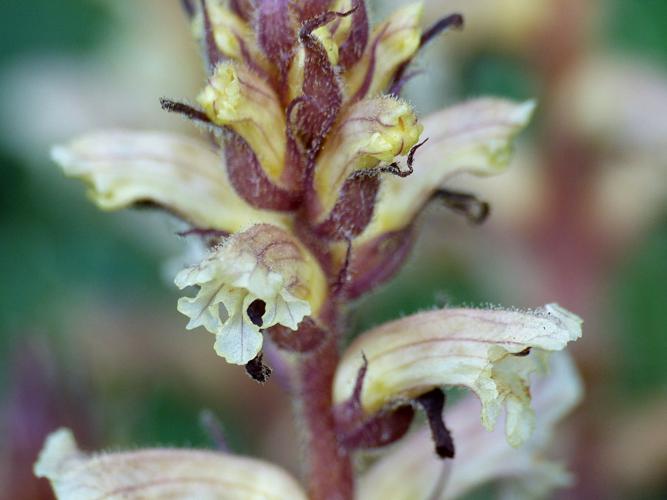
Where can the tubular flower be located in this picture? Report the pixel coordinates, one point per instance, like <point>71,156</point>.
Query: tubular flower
<point>263,277</point>
<point>159,473</point>
<point>308,135</point>
<point>412,470</point>
<point>491,352</point>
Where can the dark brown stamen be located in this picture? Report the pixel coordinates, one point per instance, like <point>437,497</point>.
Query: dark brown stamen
<point>257,370</point>
<point>186,110</point>
<point>255,311</point>
<point>433,403</point>
<point>204,233</point>
<point>523,353</point>
<point>474,209</point>
<point>453,21</point>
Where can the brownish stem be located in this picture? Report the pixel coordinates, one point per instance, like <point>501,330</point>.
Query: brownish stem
<point>329,470</point>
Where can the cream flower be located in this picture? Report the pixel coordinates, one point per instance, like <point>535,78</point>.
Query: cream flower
<point>159,474</point>
<point>412,471</point>
<point>474,137</point>
<point>182,174</point>
<point>369,132</point>
<point>262,277</point>
<point>491,352</point>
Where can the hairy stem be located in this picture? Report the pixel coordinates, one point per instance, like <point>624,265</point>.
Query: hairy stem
<point>329,468</point>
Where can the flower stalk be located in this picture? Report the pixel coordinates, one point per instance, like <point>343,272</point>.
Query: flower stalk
<point>328,463</point>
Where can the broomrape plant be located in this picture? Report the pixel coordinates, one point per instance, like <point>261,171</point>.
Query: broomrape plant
<point>307,190</point>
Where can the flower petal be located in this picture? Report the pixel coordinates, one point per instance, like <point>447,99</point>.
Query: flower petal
<point>474,137</point>
<point>411,470</point>
<point>263,265</point>
<point>184,175</point>
<point>159,473</point>
<point>484,350</point>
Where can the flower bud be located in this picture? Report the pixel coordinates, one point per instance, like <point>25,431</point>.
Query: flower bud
<point>371,132</point>
<point>239,99</point>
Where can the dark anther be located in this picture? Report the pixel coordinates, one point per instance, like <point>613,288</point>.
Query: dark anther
<point>204,233</point>
<point>255,311</point>
<point>211,425</point>
<point>394,169</point>
<point>475,210</point>
<point>453,21</point>
<point>257,370</point>
<point>433,403</point>
<point>188,7</point>
<point>342,277</point>
<point>523,353</point>
<point>185,110</point>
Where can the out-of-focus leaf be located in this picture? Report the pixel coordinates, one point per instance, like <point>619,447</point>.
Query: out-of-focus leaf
<point>641,316</point>
<point>638,26</point>
<point>40,25</point>
<point>490,74</point>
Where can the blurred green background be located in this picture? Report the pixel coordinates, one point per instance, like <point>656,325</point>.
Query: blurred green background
<point>88,314</point>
